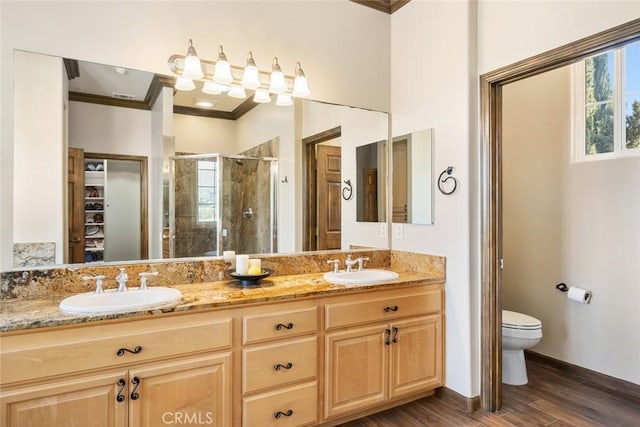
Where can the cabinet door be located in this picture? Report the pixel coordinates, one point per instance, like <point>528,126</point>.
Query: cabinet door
<point>415,355</point>
<point>355,372</point>
<point>191,391</point>
<point>89,400</point>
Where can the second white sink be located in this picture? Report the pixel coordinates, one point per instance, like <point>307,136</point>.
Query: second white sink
<point>358,278</point>
<point>118,302</point>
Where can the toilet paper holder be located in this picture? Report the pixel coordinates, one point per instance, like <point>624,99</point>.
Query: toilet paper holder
<point>562,287</point>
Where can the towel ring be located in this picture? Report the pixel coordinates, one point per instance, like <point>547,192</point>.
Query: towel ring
<point>347,191</point>
<point>448,171</point>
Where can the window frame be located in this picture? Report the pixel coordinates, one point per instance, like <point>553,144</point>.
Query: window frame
<point>578,136</point>
<point>214,204</point>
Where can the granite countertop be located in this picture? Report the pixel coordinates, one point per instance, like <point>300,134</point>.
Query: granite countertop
<point>23,314</point>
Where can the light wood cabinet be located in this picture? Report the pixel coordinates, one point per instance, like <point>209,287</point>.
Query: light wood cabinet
<point>135,373</point>
<point>297,363</point>
<point>280,365</point>
<point>88,400</point>
<point>398,353</point>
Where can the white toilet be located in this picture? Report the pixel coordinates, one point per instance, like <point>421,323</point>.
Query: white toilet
<point>519,332</point>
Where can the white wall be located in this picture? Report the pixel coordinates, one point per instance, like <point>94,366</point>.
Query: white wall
<point>294,31</point>
<point>358,127</point>
<point>433,77</point>
<point>114,130</point>
<point>569,222</point>
<point>509,31</point>
<point>40,153</point>
<point>201,135</point>
<point>438,50</point>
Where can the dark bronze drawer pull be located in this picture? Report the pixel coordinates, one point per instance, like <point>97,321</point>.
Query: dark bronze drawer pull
<point>136,350</point>
<point>121,383</point>
<point>279,326</point>
<point>387,332</point>
<point>279,366</point>
<point>390,308</point>
<point>394,339</point>
<point>286,414</point>
<point>134,394</point>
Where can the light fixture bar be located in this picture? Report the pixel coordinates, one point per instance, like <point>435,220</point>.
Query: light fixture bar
<point>220,72</point>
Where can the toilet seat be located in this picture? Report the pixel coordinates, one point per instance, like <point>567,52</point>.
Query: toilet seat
<point>515,320</point>
<point>518,325</point>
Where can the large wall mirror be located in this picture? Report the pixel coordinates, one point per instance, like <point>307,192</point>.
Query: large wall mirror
<point>413,178</point>
<point>220,173</point>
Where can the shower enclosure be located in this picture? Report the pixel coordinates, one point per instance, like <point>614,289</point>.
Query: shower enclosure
<point>220,202</point>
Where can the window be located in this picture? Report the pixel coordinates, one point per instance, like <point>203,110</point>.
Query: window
<point>206,191</point>
<point>607,104</point>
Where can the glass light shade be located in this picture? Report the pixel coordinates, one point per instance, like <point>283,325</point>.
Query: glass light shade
<point>192,67</point>
<point>300,87</point>
<point>250,79</point>
<point>183,83</point>
<point>222,72</point>
<point>237,92</point>
<point>284,100</point>
<point>212,88</point>
<point>261,96</point>
<point>277,83</point>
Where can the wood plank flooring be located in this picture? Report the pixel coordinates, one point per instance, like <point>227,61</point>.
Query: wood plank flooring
<point>555,397</point>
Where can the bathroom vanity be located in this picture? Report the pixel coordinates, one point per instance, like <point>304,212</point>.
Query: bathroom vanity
<point>297,352</point>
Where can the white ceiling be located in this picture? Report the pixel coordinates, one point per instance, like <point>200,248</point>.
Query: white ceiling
<point>105,80</point>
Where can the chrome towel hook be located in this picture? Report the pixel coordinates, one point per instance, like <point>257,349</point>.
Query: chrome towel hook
<point>448,171</point>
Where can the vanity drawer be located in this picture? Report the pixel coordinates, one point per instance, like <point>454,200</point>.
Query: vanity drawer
<point>385,305</point>
<point>294,406</point>
<point>280,324</point>
<point>278,364</point>
<point>50,353</point>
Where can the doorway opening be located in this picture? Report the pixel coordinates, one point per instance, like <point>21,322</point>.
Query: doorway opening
<point>491,187</point>
<point>321,195</point>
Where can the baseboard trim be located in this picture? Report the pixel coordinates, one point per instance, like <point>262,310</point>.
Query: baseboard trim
<point>470,404</point>
<point>614,386</point>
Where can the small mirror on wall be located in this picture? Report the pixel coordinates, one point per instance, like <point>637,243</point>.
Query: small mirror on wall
<point>413,178</point>
<point>371,161</point>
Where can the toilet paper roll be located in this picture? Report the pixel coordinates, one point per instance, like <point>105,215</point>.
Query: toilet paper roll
<point>579,295</point>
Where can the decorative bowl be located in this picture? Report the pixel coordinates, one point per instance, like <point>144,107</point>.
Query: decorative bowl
<point>248,281</point>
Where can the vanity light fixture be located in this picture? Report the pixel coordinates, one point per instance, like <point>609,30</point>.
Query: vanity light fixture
<point>219,77</point>
<point>284,100</point>
<point>222,73</point>
<point>192,66</point>
<point>277,83</point>
<point>300,84</point>
<point>237,92</point>
<point>261,96</point>
<point>183,83</point>
<point>251,77</point>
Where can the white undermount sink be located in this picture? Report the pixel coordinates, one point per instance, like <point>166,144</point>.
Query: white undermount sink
<point>118,302</point>
<point>360,278</point>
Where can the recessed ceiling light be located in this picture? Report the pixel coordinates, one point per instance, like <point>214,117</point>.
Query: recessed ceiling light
<point>203,103</point>
<point>120,70</point>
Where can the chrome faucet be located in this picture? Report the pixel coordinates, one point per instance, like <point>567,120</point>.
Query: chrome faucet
<point>98,280</point>
<point>143,279</point>
<point>349,263</point>
<point>122,280</point>
<point>336,264</point>
<point>361,261</point>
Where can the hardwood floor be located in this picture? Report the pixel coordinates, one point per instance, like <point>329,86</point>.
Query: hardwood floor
<point>556,396</point>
